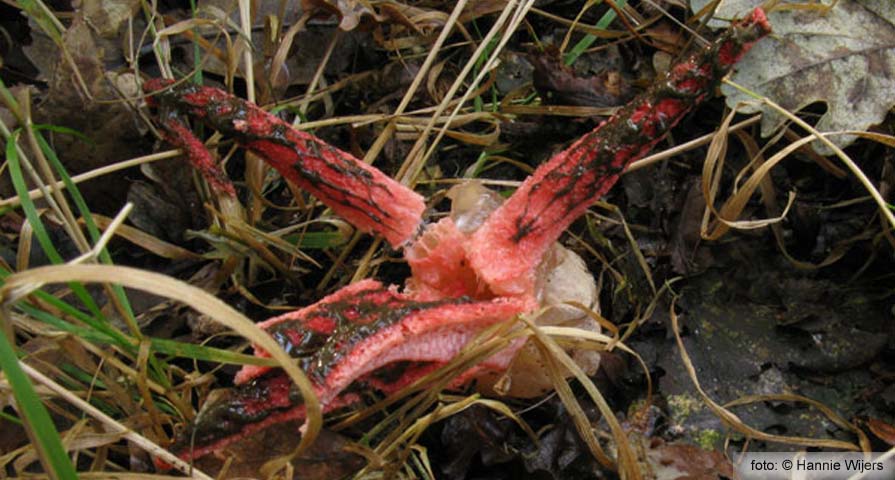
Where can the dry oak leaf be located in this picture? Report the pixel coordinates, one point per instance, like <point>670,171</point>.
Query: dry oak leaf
<point>844,57</point>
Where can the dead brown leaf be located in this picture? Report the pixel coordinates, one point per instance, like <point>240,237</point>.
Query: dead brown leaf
<point>350,12</point>
<point>327,458</point>
<point>666,37</point>
<point>679,461</point>
<point>559,84</point>
<point>884,431</point>
<point>479,8</point>
<point>90,44</point>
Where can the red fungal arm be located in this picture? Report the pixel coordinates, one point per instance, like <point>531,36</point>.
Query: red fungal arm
<point>354,339</point>
<point>367,325</point>
<point>506,249</point>
<point>361,194</point>
<point>243,411</point>
<point>176,133</point>
<point>297,328</point>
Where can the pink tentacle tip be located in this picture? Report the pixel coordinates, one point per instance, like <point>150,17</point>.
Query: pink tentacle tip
<point>154,84</point>
<point>759,18</point>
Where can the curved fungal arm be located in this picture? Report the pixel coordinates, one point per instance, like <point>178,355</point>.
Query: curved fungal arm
<point>364,336</point>
<point>507,248</point>
<point>361,194</point>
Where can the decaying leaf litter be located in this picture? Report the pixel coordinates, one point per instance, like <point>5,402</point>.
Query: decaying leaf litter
<point>829,254</point>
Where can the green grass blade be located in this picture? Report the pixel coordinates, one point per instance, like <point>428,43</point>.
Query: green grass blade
<point>40,231</point>
<point>211,354</point>
<point>42,18</point>
<point>111,335</point>
<point>589,39</point>
<point>479,165</point>
<point>163,346</point>
<point>18,181</point>
<point>81,205</point>
<point>197,49</point>
<point>90,334</point>
<point>65,131</point>
<point>46,438</point>
<point>316,240</point>
<point>11,418</point>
